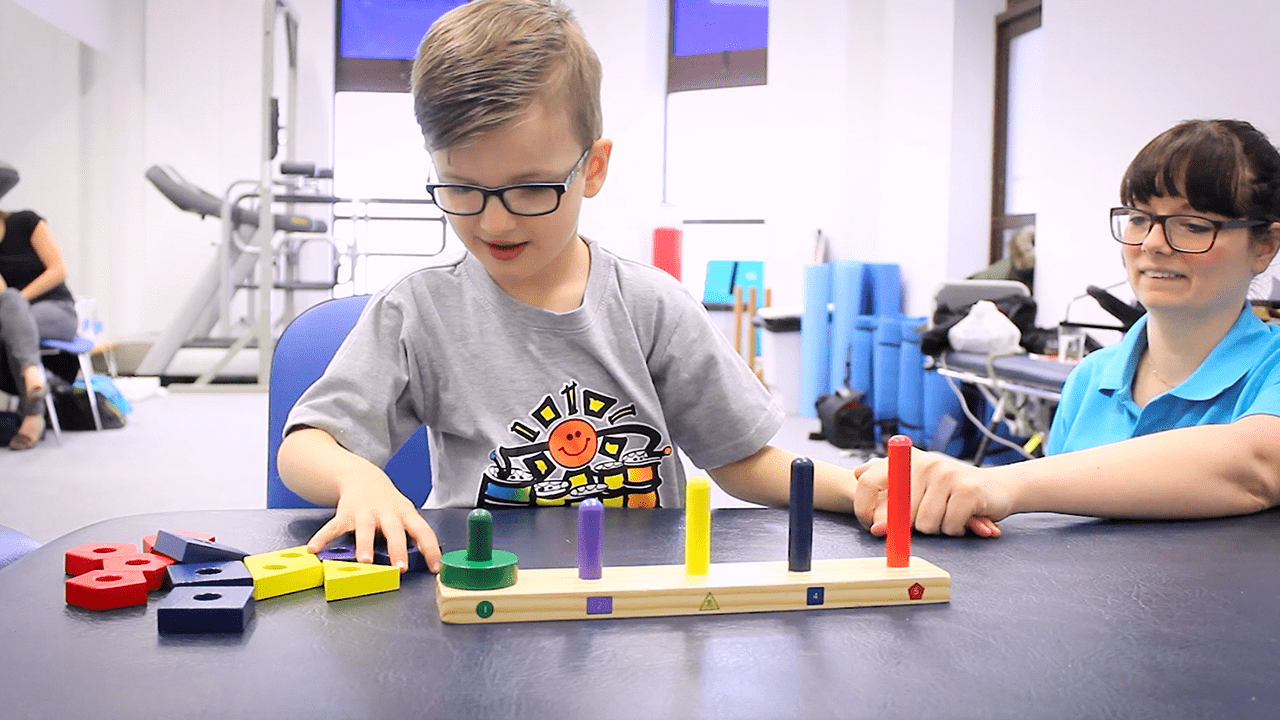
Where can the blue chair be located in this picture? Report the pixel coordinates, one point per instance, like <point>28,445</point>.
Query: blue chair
<point>14,545</point>
<point>80,348</point>
<point>301,356</point>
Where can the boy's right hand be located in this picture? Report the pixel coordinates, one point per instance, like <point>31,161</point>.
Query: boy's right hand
<point>371,503</point>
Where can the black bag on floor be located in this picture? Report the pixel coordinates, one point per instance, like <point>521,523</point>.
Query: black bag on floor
<point>847,422</point>
<point>74,413</point>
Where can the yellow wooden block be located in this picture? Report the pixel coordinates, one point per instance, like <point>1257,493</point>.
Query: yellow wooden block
<point>661,590</point>
<point>351,579</point>
<point>283,572</point>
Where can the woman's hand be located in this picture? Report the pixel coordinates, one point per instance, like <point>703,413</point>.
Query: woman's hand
<point>947,496</point>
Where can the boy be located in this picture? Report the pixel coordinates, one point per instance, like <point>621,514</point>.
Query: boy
<point>547,370</point>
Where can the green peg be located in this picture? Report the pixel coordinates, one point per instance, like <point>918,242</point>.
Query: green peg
<point>479,567</point>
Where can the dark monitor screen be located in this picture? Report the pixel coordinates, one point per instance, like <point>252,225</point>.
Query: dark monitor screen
<point>702,27</point>
<point>387,29</point>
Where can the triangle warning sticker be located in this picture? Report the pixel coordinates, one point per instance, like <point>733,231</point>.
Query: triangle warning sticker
<point>709,603</point>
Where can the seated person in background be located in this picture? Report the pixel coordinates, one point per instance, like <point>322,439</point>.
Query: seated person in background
<point>1182,418</point>
<point>1019,263</point>
<point>547,369</point>
<point>34,303</point>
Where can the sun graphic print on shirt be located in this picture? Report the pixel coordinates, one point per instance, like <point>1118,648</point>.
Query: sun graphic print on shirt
<point>581,445</point>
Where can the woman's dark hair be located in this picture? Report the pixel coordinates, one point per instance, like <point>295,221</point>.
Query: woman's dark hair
<point>1227,167</point>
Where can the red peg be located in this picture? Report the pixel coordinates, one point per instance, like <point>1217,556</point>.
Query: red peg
<point>898,540</point>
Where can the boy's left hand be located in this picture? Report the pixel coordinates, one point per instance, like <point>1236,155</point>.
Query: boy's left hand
<point>947,496</point>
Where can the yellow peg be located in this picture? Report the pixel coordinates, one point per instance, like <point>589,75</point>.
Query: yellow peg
<point>697,526</point>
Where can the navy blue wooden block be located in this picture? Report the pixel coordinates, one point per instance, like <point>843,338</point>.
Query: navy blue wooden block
<point>213,574</point>
<point>206,610</point>
<point>194,550</point>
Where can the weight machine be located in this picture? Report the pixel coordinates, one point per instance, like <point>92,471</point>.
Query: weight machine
<point>261,240</point>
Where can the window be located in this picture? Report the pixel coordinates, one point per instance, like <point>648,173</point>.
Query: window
<point>717,44</point>
<point>1018,114</point>
<point>378,40</point>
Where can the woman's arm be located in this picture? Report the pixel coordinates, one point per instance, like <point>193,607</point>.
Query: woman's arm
<point>55,267</point>
<point>1194,472</point>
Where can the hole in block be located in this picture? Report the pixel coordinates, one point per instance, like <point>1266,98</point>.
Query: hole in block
<point>108,578</point>
<point>209,571</point>
<point>291,554</point>
<point>206,597</point>
<point>275,567</point>
<point>104,550</point>
<point>137,562</point>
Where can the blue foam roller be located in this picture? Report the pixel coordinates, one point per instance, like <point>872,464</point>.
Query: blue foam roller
<point>815,339</point>
<point>864,344</point>
<point>884,369</point>
<point>886,288</point>
<point>846,300</point>
<point>943,417</point>
<point>911,382</point>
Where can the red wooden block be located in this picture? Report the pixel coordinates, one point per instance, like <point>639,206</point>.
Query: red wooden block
<point>107,589</point>
<point>85,558</point>
<point>149,541</point>
<point>152,566</point>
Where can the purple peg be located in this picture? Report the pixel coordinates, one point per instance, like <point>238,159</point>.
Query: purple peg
<point>590,539</point>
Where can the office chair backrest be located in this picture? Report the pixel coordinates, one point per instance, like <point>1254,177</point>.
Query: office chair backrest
<point>301,356</point>
<point>13,545</point>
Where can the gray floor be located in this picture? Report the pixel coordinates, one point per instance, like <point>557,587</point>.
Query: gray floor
<point>187,451</point>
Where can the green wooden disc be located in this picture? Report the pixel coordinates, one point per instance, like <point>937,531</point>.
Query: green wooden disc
<point>457,571</point>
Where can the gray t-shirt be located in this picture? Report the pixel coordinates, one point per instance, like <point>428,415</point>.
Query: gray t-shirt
<point>530,407</point>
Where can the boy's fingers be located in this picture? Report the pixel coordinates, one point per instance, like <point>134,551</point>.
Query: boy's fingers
<point>425,538</point>
<point>325,535</point>
<point>366,528</point>
<point>397,550</point>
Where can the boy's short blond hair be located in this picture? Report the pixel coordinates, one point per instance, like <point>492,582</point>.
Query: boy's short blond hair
<point>485,63</point>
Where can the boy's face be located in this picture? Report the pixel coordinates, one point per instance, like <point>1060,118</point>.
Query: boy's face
<point>535,259</point>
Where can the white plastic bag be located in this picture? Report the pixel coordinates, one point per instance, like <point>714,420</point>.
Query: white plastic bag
<point>985,330</point>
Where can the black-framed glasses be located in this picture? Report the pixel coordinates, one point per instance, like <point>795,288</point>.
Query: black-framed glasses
<point>525,199</point>
<point>1185,233</point>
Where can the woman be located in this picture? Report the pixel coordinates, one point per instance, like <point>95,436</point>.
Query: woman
<point>34,303</point>
<point>1181,419</point>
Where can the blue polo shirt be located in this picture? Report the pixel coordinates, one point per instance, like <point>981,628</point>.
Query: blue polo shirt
<point>1240,377</point>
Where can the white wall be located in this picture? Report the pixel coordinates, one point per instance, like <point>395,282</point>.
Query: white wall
<point>40,123</point>
<point>180,85</point>
<point>1111,89</point>
<point>88,21</point>
<point>874,127</point>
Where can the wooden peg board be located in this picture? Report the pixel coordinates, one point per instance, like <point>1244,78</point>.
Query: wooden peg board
<point>664,590</point>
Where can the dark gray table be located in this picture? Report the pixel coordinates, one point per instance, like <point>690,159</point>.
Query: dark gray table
<point>1061,618</point>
